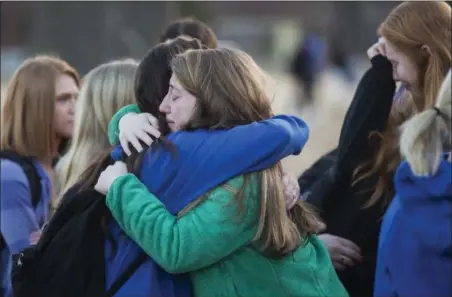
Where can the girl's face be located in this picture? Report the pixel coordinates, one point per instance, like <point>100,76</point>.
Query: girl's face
<point>178,105</point>
<point>66,91</point>
<point>403,69</point>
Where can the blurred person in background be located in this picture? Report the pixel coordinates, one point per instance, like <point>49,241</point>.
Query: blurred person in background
<point>339,58</point>
<point>106,89</point>
<point>415,246</point>
<point>190,27</point>
<point>216,100</point>
<point>309,62</point>
<point>355,191</point>
<point>37,118</point>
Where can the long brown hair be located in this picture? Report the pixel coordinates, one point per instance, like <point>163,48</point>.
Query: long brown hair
<point>27,112</point>
<point>151,84</point>
<point>229,89</point>
<point>409,27</point>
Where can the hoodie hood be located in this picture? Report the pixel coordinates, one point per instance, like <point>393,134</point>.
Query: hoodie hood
<point>412,188</point>
<point>426,205</point>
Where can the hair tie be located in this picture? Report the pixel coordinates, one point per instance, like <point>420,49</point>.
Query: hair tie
<point>441,114</point>
<point>438,111</point>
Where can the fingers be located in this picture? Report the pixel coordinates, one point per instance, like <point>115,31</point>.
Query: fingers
<point>352,255</point>
<point>136,144</point>
<point>380,46</point>
<point>125,145</point>
<point>143,136</point>
<point>152,120</point>
<point>152,131</point>
<point>345,260</point>
<point>134,140</point>
<point>372,51</point>
<point>342,260</point>
<point>345,252</point>
<point>349,245</point>
<point>136,127</point>
<point>346,255</point>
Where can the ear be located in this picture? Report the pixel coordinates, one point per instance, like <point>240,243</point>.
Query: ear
<point>426,49</point>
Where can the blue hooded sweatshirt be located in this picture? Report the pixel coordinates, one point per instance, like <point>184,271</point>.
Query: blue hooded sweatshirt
<point>415,246</point>
<point>203,160</point>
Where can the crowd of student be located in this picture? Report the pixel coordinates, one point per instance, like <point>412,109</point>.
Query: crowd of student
<point>163,176</point>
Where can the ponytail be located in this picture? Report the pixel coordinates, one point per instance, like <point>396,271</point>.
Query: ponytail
<point>434,75</point>
<point>423,138</point>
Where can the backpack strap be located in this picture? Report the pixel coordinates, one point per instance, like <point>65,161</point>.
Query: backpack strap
<point>124,277</point>
<point>30,171</point>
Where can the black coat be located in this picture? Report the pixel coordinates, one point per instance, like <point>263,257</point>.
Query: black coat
<point>340,204</point>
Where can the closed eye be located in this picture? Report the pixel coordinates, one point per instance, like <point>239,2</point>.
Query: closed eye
<point>64,97</point>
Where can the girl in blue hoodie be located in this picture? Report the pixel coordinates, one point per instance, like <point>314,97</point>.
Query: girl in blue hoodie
<point>415,247</point>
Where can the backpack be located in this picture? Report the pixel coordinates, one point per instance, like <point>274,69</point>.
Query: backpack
<point>34,180</point>
<point>69,258</point>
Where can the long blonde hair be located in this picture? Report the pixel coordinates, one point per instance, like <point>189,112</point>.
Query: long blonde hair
<point>28,107</point>
<point>410,26</point>
<point>105,90</point>
<point>425,135</point>
<point>229,89</point>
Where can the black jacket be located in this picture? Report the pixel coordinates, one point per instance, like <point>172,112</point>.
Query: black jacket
<point>340,205</point>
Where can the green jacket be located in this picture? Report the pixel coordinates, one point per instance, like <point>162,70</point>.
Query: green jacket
<point>212,243</point>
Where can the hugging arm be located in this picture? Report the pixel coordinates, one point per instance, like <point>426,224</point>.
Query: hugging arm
<point>257,145</point>
<point>201,237</point>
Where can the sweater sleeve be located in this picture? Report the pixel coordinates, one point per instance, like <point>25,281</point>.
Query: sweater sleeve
<point>278,137</point>
<point>369,111</point>
<point>113,126</point>
<point>18,219</point>
<point>203,236</point>
<point>255,146</point>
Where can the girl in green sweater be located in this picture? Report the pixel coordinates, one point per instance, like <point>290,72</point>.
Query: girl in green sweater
<point>238,240</point>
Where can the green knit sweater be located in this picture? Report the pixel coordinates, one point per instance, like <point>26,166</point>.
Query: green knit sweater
<point>212,243</point>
